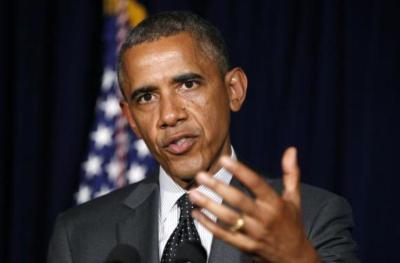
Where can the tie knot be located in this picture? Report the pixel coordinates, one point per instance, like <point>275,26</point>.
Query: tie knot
<point>184,204</point>
<point>184,231</point>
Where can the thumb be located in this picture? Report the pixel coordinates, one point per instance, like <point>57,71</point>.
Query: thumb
<point>291,176</point>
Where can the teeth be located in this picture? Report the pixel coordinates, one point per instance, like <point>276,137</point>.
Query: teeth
<point>180,141</point>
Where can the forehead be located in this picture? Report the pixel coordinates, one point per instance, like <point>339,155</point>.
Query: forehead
<point>165,58</point>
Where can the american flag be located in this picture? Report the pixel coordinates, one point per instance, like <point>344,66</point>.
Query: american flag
<point>115,156</point>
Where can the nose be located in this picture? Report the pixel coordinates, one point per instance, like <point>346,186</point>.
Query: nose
<point>172,112</point>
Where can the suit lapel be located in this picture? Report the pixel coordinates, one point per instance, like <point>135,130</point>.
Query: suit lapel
<point>222,252</point>
<point>139,228</point>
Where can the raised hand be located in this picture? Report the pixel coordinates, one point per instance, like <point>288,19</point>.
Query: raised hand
<point>267,226</point>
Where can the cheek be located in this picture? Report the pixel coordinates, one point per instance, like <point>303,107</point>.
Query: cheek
<point>146,127</point>
<point>201,108</point>
<point>211,112</point>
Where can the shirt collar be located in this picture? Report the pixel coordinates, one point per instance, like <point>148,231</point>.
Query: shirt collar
<point>170,191</point>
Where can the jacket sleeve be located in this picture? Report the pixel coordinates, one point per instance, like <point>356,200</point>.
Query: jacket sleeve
<point>331,231</point>
<point>59,248</point>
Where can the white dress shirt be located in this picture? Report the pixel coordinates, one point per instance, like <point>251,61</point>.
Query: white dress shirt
<point>168,215</point>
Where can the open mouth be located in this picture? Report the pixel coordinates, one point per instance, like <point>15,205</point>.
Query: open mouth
<point>180,144</point>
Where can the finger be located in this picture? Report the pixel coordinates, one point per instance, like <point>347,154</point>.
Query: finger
<point>223,213</point>
<point>250,179</point>
<point>236,239</point>
<point>229,194</point>
<point>227,215</point>
<point>291,176</point>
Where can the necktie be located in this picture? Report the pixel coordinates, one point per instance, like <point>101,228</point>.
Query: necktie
<point>184,231</point>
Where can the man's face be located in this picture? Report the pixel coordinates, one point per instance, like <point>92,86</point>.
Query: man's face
<point>179,104</point>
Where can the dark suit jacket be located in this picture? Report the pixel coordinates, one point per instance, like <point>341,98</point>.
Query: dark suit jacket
<point>87,233</point>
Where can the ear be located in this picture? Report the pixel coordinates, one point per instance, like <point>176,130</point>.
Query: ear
<point>236,83</point>
<point>128,115</point>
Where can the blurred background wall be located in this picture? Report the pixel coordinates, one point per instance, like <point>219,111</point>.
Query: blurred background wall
<point>324,75</point>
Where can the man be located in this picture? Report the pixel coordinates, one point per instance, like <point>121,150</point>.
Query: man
<point>179,91</point>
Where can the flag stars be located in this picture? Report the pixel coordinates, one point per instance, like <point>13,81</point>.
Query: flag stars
<point>141,148</point>
<point>102,136</point>
<point>83,194</point>
<point>110,107</point>
<point>136,173</point>
<point>114,169</point>
<point>108,80</point>
<point>93,165</point>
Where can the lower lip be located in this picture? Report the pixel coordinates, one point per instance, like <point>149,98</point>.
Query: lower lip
<point>182,147</point>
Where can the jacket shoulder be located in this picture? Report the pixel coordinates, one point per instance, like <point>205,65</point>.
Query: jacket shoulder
<point>101,211</point>
<point>96,207</point>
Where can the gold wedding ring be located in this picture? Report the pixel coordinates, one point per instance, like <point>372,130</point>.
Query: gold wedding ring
<point>238,225</point>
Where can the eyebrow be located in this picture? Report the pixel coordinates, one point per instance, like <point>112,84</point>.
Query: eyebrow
<point>186,77</point>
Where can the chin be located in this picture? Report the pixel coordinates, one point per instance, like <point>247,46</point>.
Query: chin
<point>184,178</point>
<point>187,167</point>
<point>184,174</point>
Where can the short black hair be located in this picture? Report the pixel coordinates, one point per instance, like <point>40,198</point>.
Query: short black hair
<point>171,23</point>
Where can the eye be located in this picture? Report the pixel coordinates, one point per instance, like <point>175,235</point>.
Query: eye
<point>188,84</point>
<point>145,98</point>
